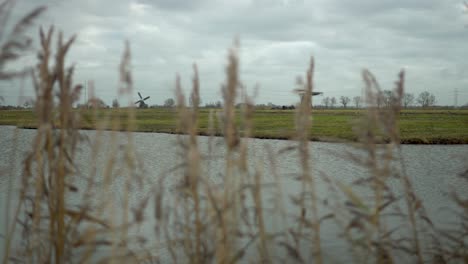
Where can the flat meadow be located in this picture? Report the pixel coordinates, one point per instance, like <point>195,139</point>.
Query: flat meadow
<point>417,126</point>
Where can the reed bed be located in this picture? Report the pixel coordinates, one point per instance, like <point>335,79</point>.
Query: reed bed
<point>245,216</point>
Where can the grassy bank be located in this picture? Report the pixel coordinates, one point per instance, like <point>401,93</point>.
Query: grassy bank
<point>416,126</point>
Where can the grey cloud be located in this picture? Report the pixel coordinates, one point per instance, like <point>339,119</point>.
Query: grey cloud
<point>427,38</point>
<point>372,7</point>
<point>176,5</point>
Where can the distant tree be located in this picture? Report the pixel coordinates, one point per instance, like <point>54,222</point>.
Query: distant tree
<point>216,104</point>
<point>344,100</point>
<point>426,99</point>
<point>260,106</point>
<point>357,101</point>
<point>209,105</point>
<point>408,99</point>
<point>29,103</point>
<point>387,98</point>
<point>326,101</point>
<point>333,102</point>
<point>169,102</point>
<point>96,103</point>
<point>115,103</point>
<point>380,99</point>
<point>192,99</point>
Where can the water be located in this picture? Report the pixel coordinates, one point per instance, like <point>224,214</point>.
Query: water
<point>433,169</point>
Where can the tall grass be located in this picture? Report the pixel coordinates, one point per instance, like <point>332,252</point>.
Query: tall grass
<point>246,218</point>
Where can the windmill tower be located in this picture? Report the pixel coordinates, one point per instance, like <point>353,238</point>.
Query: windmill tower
<point>141,103</point>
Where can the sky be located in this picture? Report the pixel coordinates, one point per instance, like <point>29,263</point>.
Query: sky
<point>426,38</point>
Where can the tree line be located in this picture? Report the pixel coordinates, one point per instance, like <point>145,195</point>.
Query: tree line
<point>384,98</point>
<point>424,99</point>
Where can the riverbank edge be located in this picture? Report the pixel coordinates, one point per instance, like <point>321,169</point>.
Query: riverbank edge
<point>405,141</point>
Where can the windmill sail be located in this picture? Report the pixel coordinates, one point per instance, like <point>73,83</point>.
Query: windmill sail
<point>141,103</point>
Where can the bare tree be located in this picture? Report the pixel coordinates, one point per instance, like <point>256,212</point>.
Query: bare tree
<point>408,99</point>
<point>380,99</point>
<point>192,100</point>
<point>326,102</point>
<point>96,103</point>
<point>115,103</point>
<point>333,102</point>
<point>344,100</point>
<point>169,102</point>
<point>357,101</point>
<point>426,99</point>
<point>387,98</point>
<point>29,103</point>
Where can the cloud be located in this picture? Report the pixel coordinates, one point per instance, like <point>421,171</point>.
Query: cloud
<point>427,38</point>
<point>177,5</point>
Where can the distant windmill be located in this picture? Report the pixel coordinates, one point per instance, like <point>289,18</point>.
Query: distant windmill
<point>141,103</point>
<point>302,92</point>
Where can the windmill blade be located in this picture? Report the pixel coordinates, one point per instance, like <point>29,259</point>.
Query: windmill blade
<point>302,91</point>
<point>139,101</point>
<point>146,98</point>
<point>140,95</point>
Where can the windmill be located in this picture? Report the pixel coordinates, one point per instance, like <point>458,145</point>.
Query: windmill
<point>302,92</point>
<point>141,103</point>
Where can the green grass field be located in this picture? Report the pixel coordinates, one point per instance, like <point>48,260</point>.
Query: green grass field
<point>416,126</point>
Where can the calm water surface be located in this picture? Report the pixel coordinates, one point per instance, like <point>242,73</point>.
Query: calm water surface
<point>433,168</point>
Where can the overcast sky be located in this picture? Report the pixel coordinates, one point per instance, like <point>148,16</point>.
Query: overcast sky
<point>428,38</point>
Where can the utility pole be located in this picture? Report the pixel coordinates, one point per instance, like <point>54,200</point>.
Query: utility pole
<point>455,97</point>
